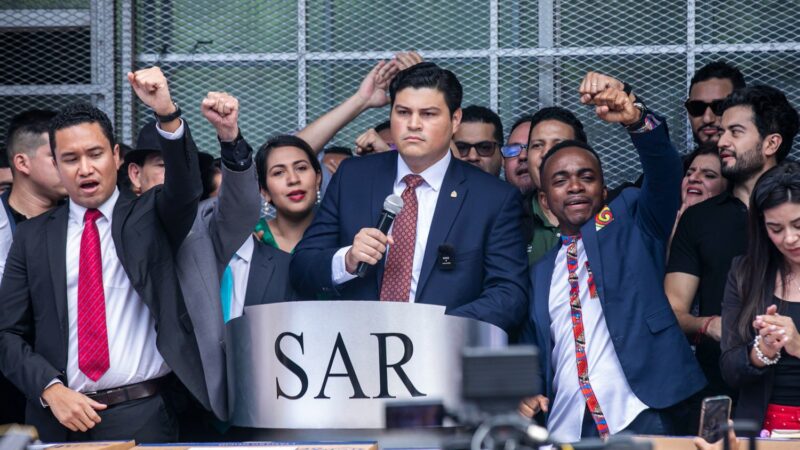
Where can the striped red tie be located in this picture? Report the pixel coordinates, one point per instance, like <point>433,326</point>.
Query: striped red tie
<point>93,358</point>
<point>396,285</point>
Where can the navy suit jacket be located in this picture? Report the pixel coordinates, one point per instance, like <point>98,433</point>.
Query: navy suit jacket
<point>476,213</point>
<point>627,257</point>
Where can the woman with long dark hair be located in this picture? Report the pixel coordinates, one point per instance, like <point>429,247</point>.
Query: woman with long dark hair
<point>760,343</point>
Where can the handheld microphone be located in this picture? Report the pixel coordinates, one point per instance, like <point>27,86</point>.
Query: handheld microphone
<point>391,208</point>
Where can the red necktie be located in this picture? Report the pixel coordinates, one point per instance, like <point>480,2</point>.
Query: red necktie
<point>396,285</point>
<point>578,333</point>
<point>93,358</point>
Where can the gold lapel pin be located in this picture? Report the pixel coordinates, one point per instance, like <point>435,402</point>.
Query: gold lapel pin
<point>454,194</point>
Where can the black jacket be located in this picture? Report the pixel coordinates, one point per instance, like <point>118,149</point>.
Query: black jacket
<point>147,231</point>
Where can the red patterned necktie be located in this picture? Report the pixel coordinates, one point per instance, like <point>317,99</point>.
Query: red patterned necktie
<point>396,286</point>
<point>93,358</point>
<point>578,333</point>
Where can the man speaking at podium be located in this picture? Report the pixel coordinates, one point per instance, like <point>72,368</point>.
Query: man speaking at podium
<point>456,242</point>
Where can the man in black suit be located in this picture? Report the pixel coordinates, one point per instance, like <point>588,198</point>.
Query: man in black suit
<point>92,322</point>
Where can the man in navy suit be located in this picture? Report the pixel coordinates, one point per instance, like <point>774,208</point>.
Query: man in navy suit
<point>613,357</point>
<point>457,242</point>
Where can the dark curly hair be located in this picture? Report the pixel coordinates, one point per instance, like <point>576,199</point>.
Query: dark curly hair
<point>772,113</point>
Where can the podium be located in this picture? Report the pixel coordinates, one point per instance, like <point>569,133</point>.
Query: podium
<point>337,364</point>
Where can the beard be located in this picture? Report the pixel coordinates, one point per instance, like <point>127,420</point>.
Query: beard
<point>746,165</point>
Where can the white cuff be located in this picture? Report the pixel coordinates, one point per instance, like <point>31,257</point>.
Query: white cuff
<point>339,273</point>
<point>174,136</point>
<point>41,400</point>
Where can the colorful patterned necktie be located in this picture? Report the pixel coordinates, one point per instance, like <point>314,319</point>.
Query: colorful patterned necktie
<point>93,359</point>
<point>396,286</point>
<point>578,333</point>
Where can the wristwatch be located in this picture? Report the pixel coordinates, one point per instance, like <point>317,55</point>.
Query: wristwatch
<point>638,104</point>
<point>169,117</point>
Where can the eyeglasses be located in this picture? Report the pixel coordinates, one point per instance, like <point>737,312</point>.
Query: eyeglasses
<point>484,148</point>
<point>697,108</point>
<point>512,150</point>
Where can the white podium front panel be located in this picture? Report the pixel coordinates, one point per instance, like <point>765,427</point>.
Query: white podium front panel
<point>336,364</point>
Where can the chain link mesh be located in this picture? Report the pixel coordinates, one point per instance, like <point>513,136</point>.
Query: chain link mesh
<point>289,62</point>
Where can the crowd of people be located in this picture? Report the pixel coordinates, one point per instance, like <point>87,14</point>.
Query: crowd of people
<point>120,266</point>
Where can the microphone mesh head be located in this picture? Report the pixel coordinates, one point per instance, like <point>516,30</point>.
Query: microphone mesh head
<point>393,204</point>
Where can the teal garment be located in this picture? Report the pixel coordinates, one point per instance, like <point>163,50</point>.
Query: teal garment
<point>545,234</point>
<point>267,238</point>
<point>226,293</point>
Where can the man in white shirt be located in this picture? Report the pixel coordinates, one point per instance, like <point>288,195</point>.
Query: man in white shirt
<point>92,321</point>
<point>457,241</point>
<point>613,357</point>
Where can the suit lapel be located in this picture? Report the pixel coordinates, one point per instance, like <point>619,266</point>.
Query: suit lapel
<point>591,243</point>
<point>541,304</point>
<point>447,208</point>
<point>541,308</point>
<point>56,236</point>
<point>261,270</point>
<point>382,186</point>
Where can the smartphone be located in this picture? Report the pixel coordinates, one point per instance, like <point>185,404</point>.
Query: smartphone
<point>714,415</point>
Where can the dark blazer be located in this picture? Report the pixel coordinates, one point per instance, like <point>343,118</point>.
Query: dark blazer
<point>478,215</point>
<point>268,281</point>
<point>627,257</point>
<point>754,383</point>
<point>147,232</point>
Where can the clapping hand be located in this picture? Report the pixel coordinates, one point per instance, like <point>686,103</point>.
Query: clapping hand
<point>777,332</point>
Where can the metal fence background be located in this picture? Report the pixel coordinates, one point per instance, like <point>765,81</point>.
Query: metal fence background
<point>290,61</point>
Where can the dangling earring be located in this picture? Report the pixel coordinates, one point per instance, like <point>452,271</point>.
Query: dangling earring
<point>267,210</point>
<point>319,197</point>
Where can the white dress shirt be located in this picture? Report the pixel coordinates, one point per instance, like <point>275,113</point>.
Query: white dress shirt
<point>427,196</point>
<point>617,401</point>
<point>240,268</point>
<point>130,326</point>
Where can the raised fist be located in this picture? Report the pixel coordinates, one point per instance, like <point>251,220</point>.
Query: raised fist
<point>594,83</point>
<point>370,141</point>
<point>150,85</point>
<point>222,111</point>
<point>615,106</point>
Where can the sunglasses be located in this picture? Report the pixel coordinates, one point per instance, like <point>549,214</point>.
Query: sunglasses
<point>512,150</point>
<point>697,108</point>
<point>484,148</point>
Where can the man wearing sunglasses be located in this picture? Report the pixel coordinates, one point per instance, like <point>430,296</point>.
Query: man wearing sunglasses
<point>479,138</point>
<point>707,90</point>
